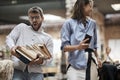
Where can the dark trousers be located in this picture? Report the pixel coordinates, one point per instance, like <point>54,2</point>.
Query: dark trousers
<point>108,72</point>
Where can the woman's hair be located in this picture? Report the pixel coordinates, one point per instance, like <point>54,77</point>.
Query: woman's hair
<point>36,9</point>
<point>78,10</point>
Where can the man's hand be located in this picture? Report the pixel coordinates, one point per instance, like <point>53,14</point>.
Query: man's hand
<point>38,60</point>
<point>13,52</point>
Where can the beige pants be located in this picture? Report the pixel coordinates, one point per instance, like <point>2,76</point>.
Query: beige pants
<point>94,72</point>
<point>73,74</point>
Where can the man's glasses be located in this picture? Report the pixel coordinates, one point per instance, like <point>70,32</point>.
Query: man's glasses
<point>34,17</point>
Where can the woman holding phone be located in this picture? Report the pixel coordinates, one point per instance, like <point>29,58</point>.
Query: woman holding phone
<point>79,36</point>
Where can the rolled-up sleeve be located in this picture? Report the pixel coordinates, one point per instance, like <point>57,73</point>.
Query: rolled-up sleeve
<point>65,35</point>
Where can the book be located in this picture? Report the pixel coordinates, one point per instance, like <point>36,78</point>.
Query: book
<point>31,52</point>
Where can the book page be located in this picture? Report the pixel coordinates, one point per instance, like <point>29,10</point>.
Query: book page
<point>30,53</point>
<point>33,51</point>
<point>38,51</point>
<point>45,50</point>
<point>24,55</point>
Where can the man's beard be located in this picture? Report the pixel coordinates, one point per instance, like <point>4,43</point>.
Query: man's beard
<point>36,27</point>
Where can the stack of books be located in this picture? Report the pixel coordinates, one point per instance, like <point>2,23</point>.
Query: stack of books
<point>29,53</point>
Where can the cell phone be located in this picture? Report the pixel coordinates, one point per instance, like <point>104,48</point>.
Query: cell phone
<point>88,36</point>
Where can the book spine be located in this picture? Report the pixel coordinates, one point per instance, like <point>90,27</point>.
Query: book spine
<point>23,59</point>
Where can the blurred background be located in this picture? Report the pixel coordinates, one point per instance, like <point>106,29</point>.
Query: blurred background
<point>106,13</point>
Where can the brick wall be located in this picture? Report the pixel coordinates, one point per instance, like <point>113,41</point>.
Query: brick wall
<point>112,32</point>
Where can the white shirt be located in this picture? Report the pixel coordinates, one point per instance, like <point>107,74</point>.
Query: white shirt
<point>23,35</point>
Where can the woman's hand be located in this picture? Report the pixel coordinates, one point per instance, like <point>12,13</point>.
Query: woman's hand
<point>99,63</point>
<point>83,44</point>
<point>80,46</point>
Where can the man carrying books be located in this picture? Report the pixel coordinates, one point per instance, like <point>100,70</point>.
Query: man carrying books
<point>20,40</point>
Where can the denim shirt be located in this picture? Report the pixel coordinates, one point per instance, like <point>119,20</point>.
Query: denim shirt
<point>72,33</point>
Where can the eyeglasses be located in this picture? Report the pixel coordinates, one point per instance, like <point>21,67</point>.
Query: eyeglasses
<point>34,17</point>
